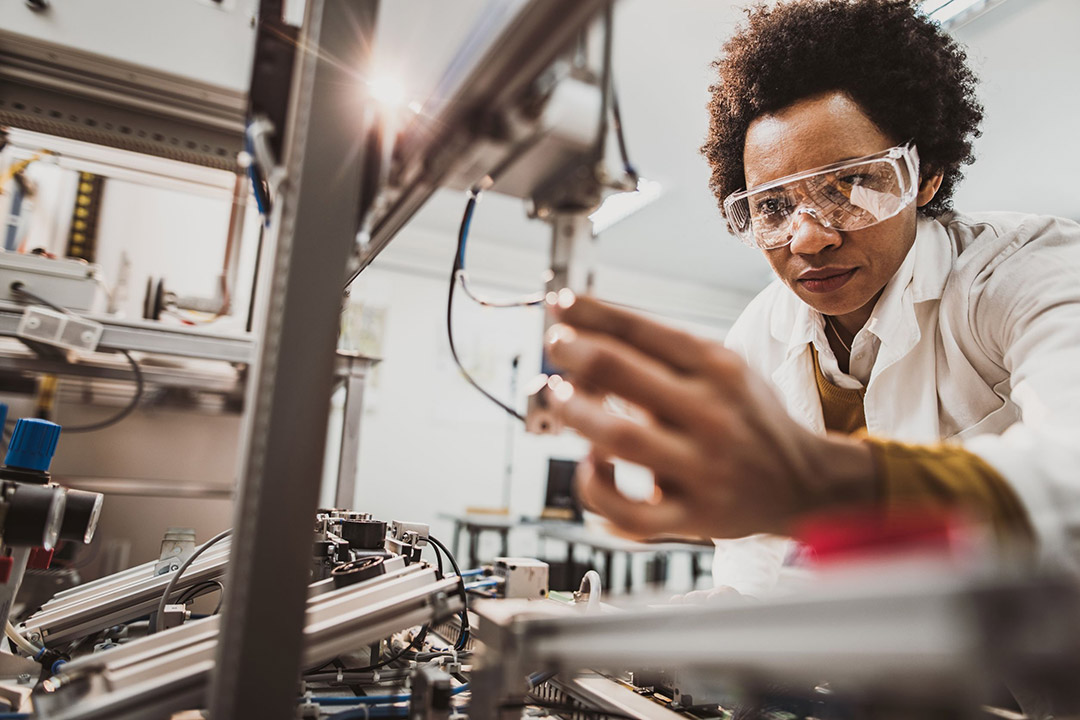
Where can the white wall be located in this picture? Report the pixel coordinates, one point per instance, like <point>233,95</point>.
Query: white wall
<point>430,443</point>
<point>1028,59</point>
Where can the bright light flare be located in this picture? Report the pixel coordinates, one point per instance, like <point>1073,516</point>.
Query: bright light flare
<point>622,205</point>
<point>387,90</point>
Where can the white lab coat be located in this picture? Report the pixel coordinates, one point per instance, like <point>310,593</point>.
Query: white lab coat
<point>976,339</point>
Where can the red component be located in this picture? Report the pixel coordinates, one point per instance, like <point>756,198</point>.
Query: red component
<point>6,564</point>
<point>853,536</point>
<point>39,559</point>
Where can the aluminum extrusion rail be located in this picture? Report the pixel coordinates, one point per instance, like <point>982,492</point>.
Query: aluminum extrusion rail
<point>96,606</point>
<point>932,638</point>
<point>168,672</point>
<point>152,338</point>
<point>62,91</point>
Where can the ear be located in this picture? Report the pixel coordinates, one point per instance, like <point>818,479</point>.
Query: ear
<point>928,189</point>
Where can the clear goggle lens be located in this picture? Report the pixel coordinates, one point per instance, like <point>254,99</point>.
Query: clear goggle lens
<point>846,196</point>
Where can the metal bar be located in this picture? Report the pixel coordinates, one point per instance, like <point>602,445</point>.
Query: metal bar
<point>139,487</point>
<point>234,239</point>
<point>314,224</point>
<point>226,383</point>
<point>102,607</point>
<point>152,338</point>
<point>71,93</point>
<point>597,691</point>
<point>355,370</point>
<point>165,673</point>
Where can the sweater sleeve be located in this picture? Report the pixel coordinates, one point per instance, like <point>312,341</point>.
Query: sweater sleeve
<point>949,477</point>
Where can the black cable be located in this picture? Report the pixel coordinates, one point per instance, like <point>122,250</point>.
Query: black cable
<point>616,117</point>
<point>140,386</point>
<point>19,288</point>
<point>190,594</point>
<point>208,586</point>
<point>176,576</point>
<point>459,263</point>
<point>463,638</point>
<point>416,641</point>
<point>125,411</point>
<point>438,559</point>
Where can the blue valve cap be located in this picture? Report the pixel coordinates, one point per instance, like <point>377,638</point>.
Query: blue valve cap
<point>33,444</point>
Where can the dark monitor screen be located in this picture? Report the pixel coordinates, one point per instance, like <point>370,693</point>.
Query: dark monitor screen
<point>561,499</point>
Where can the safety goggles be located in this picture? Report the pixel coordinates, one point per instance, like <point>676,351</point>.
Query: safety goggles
<point>848,195</point>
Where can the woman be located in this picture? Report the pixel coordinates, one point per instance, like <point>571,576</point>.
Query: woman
<point>906,356</point>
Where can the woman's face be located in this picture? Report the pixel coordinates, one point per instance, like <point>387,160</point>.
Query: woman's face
<point>838,273</point>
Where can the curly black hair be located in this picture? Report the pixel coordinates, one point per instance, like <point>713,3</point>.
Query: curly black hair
<point>907,75</point>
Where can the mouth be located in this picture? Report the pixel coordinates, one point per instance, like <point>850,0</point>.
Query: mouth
<point>826,280</point>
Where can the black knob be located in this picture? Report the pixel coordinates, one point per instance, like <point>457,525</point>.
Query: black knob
<point>81,516</point>
<point>364,534</point>
<point>34,515</point>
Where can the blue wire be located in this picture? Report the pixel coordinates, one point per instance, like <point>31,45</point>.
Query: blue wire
<point>472,573</point>
<point>463,234</point>
<point>482,584</point>
<point>256,186</point>
<point>14,716</point>
<point>360,699</point>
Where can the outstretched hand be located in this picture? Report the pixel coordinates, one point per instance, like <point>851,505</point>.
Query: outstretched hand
<point>727,459</point>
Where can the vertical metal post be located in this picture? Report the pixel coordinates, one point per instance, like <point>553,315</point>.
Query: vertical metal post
<point>259,648</point>
<point>355,371</point>
<point>231,264</point>
<point>572,250</point>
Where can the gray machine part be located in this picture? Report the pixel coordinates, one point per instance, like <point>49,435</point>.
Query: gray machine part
<point>930,640</point>
<point>118,598</point>
<point>445,145</point>
<point>170,671</point>
<point>76,93</point>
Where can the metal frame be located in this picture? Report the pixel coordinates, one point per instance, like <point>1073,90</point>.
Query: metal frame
<point>313,235</point>
<point>115,599</point>
<point>429,147</point>
<point>168,672</point>
<point>71,93</point>
<point>152,338</point>
<point>353,369</point>
<point>313,230</point>
<point>922,635</point>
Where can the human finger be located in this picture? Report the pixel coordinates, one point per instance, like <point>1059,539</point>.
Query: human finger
<point>681,350</point>
<point>597,490</point>
<point>607,365</point>
<point>661,449</point>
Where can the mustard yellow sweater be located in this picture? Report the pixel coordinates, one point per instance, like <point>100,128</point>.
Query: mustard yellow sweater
<point>942,476</point>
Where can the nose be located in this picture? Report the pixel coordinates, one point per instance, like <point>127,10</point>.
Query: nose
<point>811,234</point>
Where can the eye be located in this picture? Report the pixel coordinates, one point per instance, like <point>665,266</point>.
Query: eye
<point>769,206</point>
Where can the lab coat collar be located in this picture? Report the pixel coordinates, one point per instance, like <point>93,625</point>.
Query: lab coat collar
<point>921,277</point>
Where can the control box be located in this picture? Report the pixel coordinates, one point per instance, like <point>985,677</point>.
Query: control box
<point>71,284</point>
<point>522,577</point>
